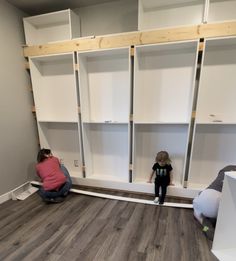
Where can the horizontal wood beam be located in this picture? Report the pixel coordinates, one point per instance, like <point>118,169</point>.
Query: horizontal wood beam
<point>135,38</point>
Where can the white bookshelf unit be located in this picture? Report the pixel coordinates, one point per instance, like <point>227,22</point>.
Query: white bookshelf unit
<point>104,80</point>
<point>106,151</point>
<point>131,95</point>
<point>215,125</point>
<point>51,27</point>
<point>221,10</point>
<point>151,138</point>
<point>54,87</point>
<point>166,13</point>
<point>224,246</point>
<point>64,140</point>
<point>164,77</point>
<point>55,95</point>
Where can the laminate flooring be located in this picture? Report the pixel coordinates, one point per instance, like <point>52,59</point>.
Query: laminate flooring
<point>88,228</point>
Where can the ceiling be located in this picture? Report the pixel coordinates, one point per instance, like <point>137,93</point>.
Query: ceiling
<point>34,7</point>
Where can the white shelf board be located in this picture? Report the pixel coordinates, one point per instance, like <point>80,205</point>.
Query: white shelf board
<point>231,174</point>
<point>128,199</point>
<point>55,121</point>
<point>197,186</point>
<point>161,122</point>
<point>107,177</point>
<point>225,254</point>
<point>215,123</point>
<point>144,182</point>
<point>104,122</point>
<point>76,174</point>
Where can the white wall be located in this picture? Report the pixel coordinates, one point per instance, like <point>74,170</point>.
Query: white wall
<point>18,135</point>
<point>109,18</point>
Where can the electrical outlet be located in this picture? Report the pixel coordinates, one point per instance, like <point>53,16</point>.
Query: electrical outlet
<point>76,163</point>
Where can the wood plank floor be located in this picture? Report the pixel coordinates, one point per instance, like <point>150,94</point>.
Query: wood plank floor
<point>88,228</point>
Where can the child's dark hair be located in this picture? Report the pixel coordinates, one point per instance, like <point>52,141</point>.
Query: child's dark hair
<point>163,156</point>
<point>42,154</point>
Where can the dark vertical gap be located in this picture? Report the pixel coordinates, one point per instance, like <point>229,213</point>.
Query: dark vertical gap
<point>33,103</point>
<point>79,116</point>
<point>131,113</point>
<point>196,82</point>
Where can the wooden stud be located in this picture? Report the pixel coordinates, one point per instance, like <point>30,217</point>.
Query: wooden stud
<point>76,66</point>
<point>27,66</point>
<point>201,46</point>
<point>132,51</point>
<point>130,166</point>
<point>136,38</point>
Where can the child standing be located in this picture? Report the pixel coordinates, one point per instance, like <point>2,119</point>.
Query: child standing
<point>162,168</point>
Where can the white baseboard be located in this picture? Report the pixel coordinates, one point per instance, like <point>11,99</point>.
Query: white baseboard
<point>8,195</point>
<point>135,200</point>
<point>21,192</point>
<point>5,197</point>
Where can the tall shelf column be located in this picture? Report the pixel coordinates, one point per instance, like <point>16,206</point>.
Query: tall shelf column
<point>56,104</point>
<point>163,97</point>
<point>105,110</point>
<point>215,126</point>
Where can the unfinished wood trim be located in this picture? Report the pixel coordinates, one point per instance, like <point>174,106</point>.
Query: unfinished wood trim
<point>76,66</point>
<point>132,51</point>
<point>27,66</point>
<point>130,166</point>
<point>136,38</point>
<point>201,46</point>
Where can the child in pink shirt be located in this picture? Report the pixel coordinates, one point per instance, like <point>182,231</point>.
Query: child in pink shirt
<point>55,178</point>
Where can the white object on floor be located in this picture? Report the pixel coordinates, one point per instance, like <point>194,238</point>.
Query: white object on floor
<point>135,200</point>
<point>207,203</point>
<point>23,192</point>
<point>224,243</point>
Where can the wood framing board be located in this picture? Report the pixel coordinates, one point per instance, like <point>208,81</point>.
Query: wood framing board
<point>128,199</point>
<point>135,38</point>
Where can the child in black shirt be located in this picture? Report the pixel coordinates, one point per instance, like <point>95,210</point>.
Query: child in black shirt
<point>163,179</point>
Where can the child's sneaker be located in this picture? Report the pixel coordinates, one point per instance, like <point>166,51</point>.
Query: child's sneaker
<point>156,200</point>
